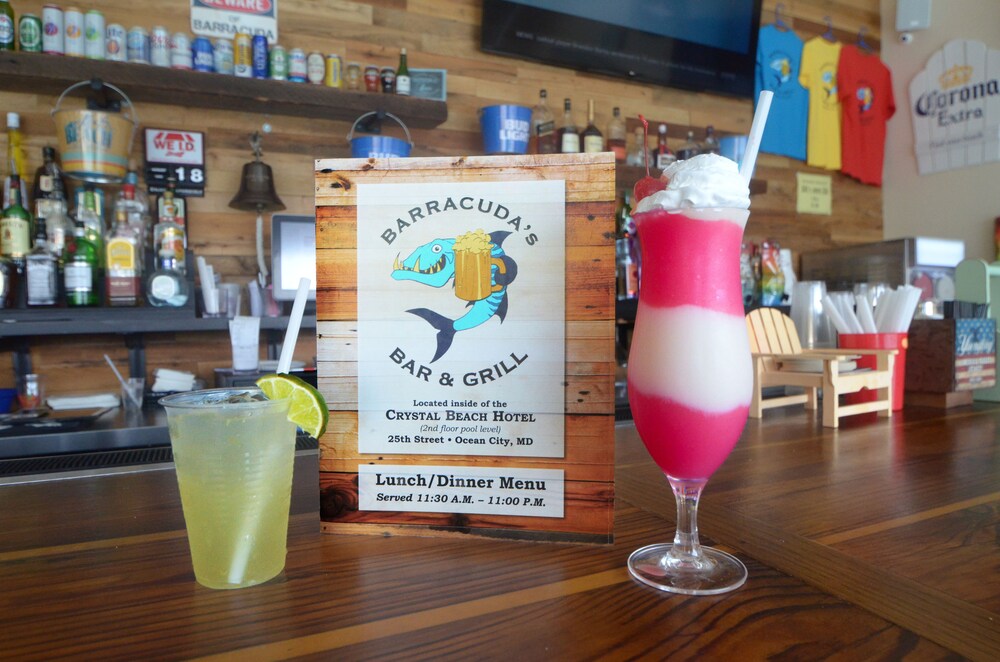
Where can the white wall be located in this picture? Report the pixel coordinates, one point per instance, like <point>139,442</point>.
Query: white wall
<point>960,204</point>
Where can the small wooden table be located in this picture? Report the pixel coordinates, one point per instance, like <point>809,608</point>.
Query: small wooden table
<point>876,541</point>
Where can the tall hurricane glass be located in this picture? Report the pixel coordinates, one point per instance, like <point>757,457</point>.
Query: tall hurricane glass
<point>689,369</point>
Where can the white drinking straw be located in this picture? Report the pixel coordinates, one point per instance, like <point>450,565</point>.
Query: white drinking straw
<point>756,134</point>
<point>121,379</point>
<point>294,322</point>
<point>831,311</point>
<point>865,313</point>
<point>242,553</point>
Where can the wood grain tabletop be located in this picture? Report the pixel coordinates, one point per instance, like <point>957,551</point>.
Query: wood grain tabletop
<point>874,541</point>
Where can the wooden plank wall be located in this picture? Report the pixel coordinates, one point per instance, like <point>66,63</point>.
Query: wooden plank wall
<point>437,34</point>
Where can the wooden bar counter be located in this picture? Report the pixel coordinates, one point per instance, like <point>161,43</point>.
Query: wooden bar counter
<point>875,541</point>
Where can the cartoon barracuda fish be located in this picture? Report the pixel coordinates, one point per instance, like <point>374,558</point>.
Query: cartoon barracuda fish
<point>433,264</point>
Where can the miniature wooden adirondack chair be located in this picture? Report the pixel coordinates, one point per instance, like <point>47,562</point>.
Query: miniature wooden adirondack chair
<point>775,347</point>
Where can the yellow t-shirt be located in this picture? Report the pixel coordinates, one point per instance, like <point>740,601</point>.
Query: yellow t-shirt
<point>818,74</point>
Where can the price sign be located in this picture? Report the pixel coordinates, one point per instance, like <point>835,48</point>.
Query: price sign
<point>178,154</point>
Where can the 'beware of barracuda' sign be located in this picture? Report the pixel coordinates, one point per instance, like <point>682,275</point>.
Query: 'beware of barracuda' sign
<point>224,18</point>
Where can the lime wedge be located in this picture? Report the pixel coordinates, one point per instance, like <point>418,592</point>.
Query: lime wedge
<point>307,409</point>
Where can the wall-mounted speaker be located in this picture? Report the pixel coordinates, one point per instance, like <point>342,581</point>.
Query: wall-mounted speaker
<point>913,15</point>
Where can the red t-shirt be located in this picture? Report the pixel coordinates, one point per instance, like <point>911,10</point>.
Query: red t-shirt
<point>865,88</point>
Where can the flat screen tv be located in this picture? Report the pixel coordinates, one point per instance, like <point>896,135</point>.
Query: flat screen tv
<point>700,45</point>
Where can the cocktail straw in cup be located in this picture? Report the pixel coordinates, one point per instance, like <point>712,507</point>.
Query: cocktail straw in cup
<point>250,526</point>
<point>121,380</point>
<point>756,134</point>
<point>294,322</point>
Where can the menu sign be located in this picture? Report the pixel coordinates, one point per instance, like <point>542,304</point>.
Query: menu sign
<point>465,345</point>
<point>461,322</point>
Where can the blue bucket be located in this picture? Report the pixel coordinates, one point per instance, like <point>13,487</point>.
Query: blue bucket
<point>377,146</point>
<point>505,129</point>
<point>7,396</point>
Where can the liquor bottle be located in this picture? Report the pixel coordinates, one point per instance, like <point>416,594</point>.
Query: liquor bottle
<point>569,135</point>
<point>637,155</point>
<point>711,144</point>
<point>403,75</point>
<point>136,218</point>
<point>543,127</point>
<point>664,155</point>
<point>689,148</point>
<point>122,273</point>
<point>42,270</point>
<point>170,240</point>
<point>172,206</point>
<point>59,228</point>
<point>593,139</point>
<point>139,211</point>
<point>166,286</point>
<point>772,278</point>
<point>93,225</point>
<point>616,135</point>
<point>15,160</point>
<point>6,26</point>
<point>8,283</point>
<point>50,184</point>
<point>80,269</point>
<point>15,224</point>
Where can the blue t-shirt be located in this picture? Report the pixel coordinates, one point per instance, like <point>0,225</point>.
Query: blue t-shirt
<point>779,54</point>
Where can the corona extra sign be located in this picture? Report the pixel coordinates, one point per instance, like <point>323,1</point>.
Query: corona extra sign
<point>955,106</point>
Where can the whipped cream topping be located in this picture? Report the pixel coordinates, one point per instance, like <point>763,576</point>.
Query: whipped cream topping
<point>706,180</point>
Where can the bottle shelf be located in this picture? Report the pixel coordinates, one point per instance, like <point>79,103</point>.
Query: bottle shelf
<point>626,177</point>
<point>38,73</point>
<point>120,321</point>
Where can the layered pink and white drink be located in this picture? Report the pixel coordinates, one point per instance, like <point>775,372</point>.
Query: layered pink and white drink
<point>689,370</point>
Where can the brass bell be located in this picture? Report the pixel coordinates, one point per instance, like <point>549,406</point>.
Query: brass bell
<point>257,185</point>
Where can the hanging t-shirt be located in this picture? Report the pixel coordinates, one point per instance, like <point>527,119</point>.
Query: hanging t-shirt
<point>779,53</point>
<point>865,86</point>
<point>819,76</point>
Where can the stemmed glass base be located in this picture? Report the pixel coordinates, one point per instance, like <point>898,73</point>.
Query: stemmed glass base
<point>713,572</point>
<point>684,566</point>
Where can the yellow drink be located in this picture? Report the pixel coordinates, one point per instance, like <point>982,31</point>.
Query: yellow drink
<point>234,469</point>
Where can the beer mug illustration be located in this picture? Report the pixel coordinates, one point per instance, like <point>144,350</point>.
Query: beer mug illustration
<point>473,266</point>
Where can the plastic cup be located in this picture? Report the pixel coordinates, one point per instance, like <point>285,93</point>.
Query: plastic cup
<point>234,470</point>
<point>133,391</point>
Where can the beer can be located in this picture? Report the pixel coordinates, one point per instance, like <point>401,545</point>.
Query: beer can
<point>279,62</point>
<point>222,56</point>
<point>29,33</point>
<point>333,71</point>
<point>297,65</point>
<point>115,39</point>
<point>315,68</point>
<point>137,45</point>
<point>258,52</point>
<point>352,77</point>
<point>388,78</point>
<point>372,82</point>
<point>180,51</point>
<point>93,34</point>
<point>242,56</point>
<point>73,31</point>
<point>52,30</point>
<point>202,55</point>
<point>159,46</point>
